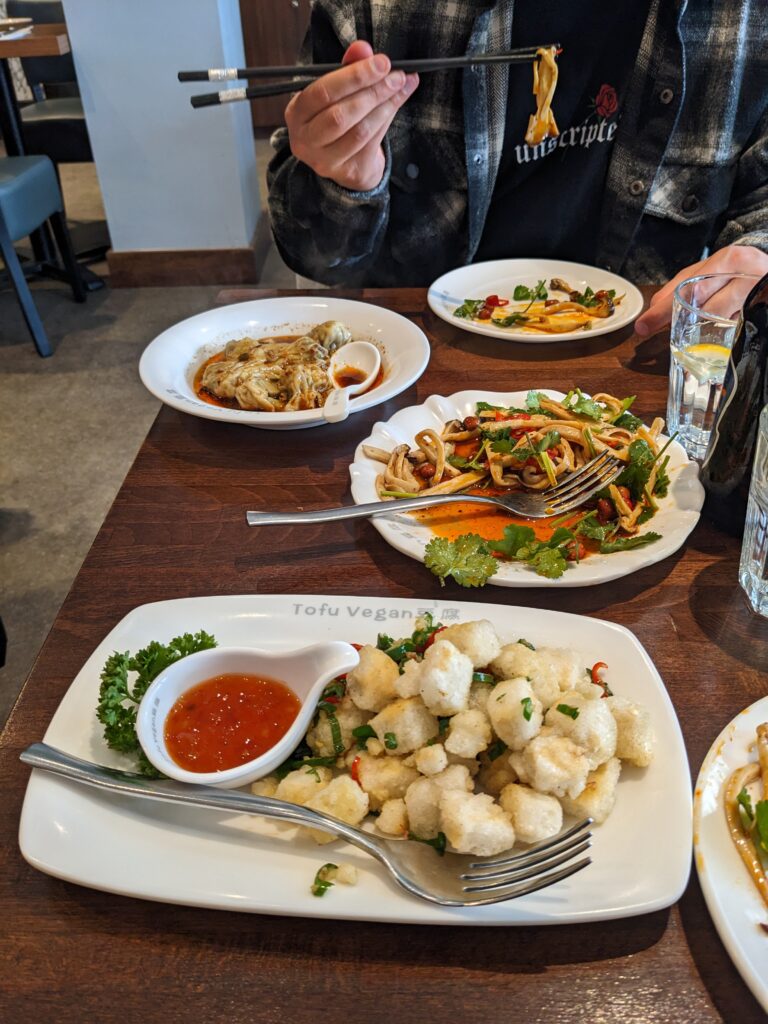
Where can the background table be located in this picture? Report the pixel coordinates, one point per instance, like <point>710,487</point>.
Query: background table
<point>177,529</point>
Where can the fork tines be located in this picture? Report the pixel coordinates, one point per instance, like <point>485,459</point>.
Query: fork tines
<point>529,867</point>
<point>576,488</point>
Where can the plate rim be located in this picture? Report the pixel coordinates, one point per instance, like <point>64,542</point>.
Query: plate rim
<point>728,936</point>
<point>526,580</point>
<point>670,886</point>
<point>527,339</point>
<point>277,421</point>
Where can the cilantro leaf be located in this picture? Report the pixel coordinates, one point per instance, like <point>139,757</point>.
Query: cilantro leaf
<point>744,800</point>
<point>469,309</point>
<point>637,472</point>
<point>549,562</point>
<point>607,547</point>
<point>761,824</point>
<point>467,559</point>
<point>515,537</point>
<point>577,402</point>
<point>533,401</point>
<point>590,527</point>
<point>523,293</point>
<point>628,421</point>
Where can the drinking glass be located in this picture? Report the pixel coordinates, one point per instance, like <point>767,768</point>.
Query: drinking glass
<point>705,317</point>
<point>753,569</point>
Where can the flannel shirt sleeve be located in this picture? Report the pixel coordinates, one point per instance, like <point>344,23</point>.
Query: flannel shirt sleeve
<point>746,220</point>
<point>322,230</point>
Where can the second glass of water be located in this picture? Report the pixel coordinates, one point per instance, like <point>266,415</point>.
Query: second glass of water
<point>701,339</point>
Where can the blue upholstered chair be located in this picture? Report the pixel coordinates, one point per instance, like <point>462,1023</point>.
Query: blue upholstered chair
<point>30,195</point>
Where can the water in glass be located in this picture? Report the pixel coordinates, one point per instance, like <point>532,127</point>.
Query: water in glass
<point>699,357</point>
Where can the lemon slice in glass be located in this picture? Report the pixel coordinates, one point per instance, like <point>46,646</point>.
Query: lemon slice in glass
<point>705,361</point>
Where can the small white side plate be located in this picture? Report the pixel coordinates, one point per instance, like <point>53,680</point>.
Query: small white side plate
<point>500,277</point>
<point>234,862</point>
<point>678,512</point>
<point>169,363</point>
<point>733,901</point>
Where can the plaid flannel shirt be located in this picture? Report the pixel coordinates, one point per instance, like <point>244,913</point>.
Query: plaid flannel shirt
<point>688,170</point>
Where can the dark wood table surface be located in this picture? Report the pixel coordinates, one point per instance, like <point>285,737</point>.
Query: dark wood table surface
<point>177,529</point>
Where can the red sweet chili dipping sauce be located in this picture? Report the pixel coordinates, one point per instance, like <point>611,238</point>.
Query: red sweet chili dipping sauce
<point>225,721</point>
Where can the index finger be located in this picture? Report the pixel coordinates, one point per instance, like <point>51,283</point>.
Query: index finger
<point>336,85</point>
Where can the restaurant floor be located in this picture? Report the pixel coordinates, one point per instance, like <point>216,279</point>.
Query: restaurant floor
<point>71,425</point>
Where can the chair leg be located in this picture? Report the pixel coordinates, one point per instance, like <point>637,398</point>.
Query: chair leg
<point>32,317</point>
<point>64,242</point>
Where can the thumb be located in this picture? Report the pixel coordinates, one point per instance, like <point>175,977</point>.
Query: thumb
<point>359,50</point>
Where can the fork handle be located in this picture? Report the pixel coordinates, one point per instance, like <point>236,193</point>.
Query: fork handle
<point>50,759</point>
<point>373,508</point>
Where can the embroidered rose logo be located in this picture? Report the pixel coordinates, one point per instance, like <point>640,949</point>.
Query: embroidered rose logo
<point>606,102</point>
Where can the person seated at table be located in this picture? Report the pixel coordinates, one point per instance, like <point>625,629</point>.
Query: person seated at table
<point>383,179</point>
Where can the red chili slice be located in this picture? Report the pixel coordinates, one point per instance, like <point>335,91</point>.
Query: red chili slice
<point>597,680</point>
<point>433,637</point>
<point>354,770</point>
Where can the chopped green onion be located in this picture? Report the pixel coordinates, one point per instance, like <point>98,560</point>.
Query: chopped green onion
<point>566,709</point>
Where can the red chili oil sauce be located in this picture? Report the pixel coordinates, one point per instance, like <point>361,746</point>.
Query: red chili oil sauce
<point>227,720</point>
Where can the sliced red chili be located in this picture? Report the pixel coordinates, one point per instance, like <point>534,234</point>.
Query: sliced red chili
<point>598,680</point>
<point>485,313</point>
<point>433,637</point>
<point>354,769</point>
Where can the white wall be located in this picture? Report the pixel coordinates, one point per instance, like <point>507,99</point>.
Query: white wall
<point>171,177</point>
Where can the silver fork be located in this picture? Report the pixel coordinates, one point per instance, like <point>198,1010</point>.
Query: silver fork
<point>452,881</point>
<point>567,495</point>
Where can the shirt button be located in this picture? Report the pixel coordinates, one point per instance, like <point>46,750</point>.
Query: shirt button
<point>412,171</point>
<point>478,158</point>
<point>666,96</point>
<point>690,204</point>
<point>636,187</point>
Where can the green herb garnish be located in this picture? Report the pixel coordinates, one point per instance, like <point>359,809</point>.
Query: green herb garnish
<point>467,559</point>
<point>483,677</point>
<point>566,709</point>
<point>362,734</point>
<point>390,741</point>
<point>438,843</point>
<point>608,547</point>
<point>322,882</point>
<point>469,309</point>
<point>526,643</point>
<point>119,697</point>
<point>527,705</point>
<point>496,749</point>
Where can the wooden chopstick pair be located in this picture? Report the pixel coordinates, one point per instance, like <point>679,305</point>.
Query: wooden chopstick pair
<point>304,75</point>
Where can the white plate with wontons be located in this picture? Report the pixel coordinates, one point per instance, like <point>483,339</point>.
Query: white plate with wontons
<point>172,365</point>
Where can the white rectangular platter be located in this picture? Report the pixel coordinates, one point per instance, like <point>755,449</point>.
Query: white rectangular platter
<point>208,859</point>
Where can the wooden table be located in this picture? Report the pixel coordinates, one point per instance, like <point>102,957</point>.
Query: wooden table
<point>177,529</point>
<point>41,41</point>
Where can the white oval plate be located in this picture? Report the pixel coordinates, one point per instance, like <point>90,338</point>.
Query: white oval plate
<point>499,277</point>
<point>190,855</point>
<point>169,363</point>
<point>677,515</point>
<point>732,899</point>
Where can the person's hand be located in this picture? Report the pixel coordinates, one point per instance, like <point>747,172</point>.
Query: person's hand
<point>722,301</point>
<point>336,124</point>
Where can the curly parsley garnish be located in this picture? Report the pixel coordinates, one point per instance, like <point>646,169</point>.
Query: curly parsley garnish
<point>119,697</point>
